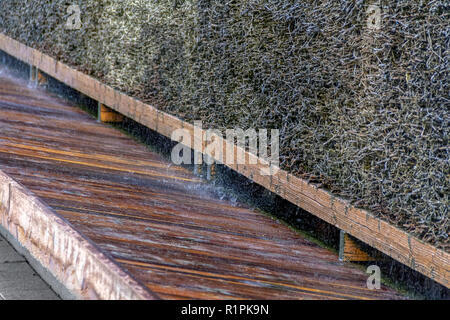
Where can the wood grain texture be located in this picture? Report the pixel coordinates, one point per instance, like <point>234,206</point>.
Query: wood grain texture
<point>108,115</point>
<point>389,239</point>
<point>349,250</point>
<point>165,227</point>
<point>71,258</point>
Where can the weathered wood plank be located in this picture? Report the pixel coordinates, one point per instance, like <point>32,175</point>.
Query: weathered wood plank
<point>73,260</point>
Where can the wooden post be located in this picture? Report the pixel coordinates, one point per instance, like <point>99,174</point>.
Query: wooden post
<point>349,250</point>
<point>106,114</point>
<point>40,78</point>
<point>37,77</point>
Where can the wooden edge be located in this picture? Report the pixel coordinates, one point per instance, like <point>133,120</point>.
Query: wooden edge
<point>392,241</point>
<point>76,263</point>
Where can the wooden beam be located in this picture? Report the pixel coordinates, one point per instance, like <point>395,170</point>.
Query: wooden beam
<point>391,240</point>
<point>36,76</point>
<point>85,271</point>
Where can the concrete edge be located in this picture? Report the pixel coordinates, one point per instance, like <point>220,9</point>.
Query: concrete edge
<point>73,266</point>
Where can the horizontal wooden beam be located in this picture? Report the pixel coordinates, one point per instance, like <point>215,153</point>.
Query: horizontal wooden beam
<point>391,240</point>
<point>78,265</point>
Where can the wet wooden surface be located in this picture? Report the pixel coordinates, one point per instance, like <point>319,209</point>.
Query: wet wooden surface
<point>160,223</point>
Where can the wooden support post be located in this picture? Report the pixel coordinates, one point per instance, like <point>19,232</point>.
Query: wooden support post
<point>37,77</point>
<point>349,250</point>
<point>40,78</point>
<point>106,114</point>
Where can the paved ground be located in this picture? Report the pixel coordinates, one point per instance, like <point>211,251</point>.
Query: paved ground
<point>18,281</point>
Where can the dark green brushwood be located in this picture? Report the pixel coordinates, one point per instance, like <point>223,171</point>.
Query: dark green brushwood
<point>362,112</point>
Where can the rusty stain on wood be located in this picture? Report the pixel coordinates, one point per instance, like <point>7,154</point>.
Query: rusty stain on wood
<point>163,226</point>
<point>389,239</point>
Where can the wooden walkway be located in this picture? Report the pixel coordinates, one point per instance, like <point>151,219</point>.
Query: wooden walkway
<point>159,222</point>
